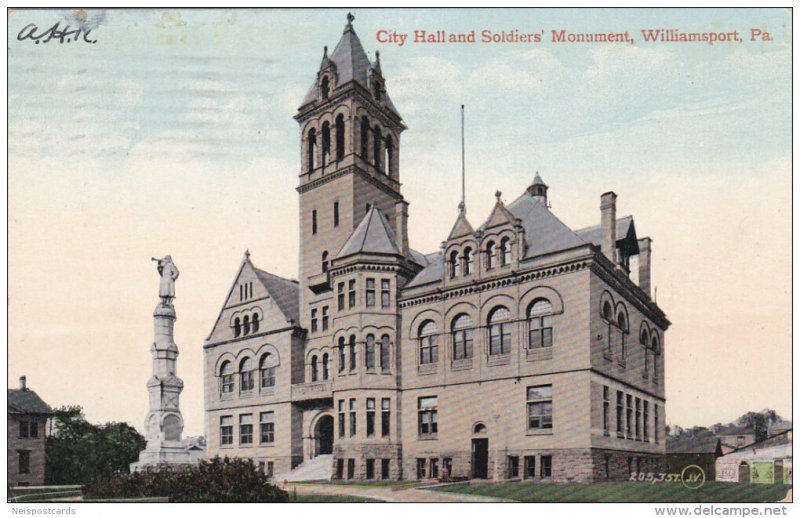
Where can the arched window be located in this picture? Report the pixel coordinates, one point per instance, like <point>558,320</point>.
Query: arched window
<point>376,143</point>
<point>326,142</point>
<point>462,337</point>
<point>505,251</point>
<point>314,369</point>
<point>342,358</point>
<point>352,352</point>
<point>237,327</point>
<point>643,340</point>
<point>339,137</point>
<point>365,139</point>
<point>246,375</point>
<point>469,261</point>
<point>267,368</point>
<point>622,329</point>
<point>370,353</point>
<point>490,249</point>
<point>385,353</point>
<point>226,373</point>
<point>324,261</point>
<point>500,331</point>
<point>326,87</point>
<point>608,315</point>
<point>246,325</point>
<point>256,322</point>
<point>540,324</point>
<point>312,143</point>
<point>656,354</point>
<point>455,265</point>
<point>325,366</point>
<point>428,346</point>
<point>389,153</point>
<point>479,428</point>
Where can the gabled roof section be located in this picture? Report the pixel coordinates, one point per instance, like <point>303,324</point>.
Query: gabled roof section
<point>26,402</point>
<point>431,273</point>
<point>685,444</point>
<point>544,232</point>
<point>594,234</point>
<point>372,236</point>
<point>499,216</point>
<point>285,293</point>
<point>461,227</point>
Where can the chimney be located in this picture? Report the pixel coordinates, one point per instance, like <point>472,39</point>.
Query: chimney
<point>608,225</point>
<point>23,383</point>
<point>401,224</point>
<point>644,264</point>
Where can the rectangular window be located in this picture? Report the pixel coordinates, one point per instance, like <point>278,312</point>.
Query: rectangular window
<point>24,462</point>
<point>370,293</point>
<point>540,407</point>
<point>325,318</point>
<point>385,353</point>
<point>513,466</point>
<point>547,466</point>
<point>270,469</point>
<point>385,293</point>
<point>267,422</point>
<point>434,468</point>
<point>385,416</point>
<point>246,429</point>
<point>638,429</point>
<point>606,407</point>
<point>24,430</point>
<point>421,469</point>
<point>351,293</point>
<point>370,469</point>
<point>268,377</point>
<point>341,418</point>
<point>462,344</point>
<point>500,338</point>
<point>226,430</point>
<point>530,466</point>
<point>655,423</point>
<point>351,468</point>
<point>540,332</point>
<point>352,418</point>
<point>629,416</point>
<point>385,474</point>
<point>429,349</point>
<point>427,414</point>
<point>370,417</point>
<point>227,382</point>
<point>339,468</point>
<point>340,296</point>
<point>314,320</point>
<point>336,214</point>
<point>369,353</point>
<point>646,421</point>
<point>620,410</point>
<point>262,467</point>
<point>313,221</point>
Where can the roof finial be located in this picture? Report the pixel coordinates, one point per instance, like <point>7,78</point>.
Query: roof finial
<point>462,208</point>
<point>325,51</point>
<point>350,18</point>
<point>247,254</point>
<point>497,195</point>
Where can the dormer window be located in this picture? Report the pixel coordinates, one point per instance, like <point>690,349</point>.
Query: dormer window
<point>455,265</point>
<point>325,87</point>
<point>505,252</point>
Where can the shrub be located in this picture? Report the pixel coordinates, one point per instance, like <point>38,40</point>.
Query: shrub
<point>216,480</point>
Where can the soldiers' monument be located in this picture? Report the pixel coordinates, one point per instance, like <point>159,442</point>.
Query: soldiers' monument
<point>164,424</point>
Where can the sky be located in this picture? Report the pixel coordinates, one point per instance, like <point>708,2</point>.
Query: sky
<point>173,134</point>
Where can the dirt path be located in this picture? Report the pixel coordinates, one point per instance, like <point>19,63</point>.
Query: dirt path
<point>389,494</point>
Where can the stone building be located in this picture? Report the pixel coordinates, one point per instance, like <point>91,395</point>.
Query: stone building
<point>520,350</point>
<point>27,424</point>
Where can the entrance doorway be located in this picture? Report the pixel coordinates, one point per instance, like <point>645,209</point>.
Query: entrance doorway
<point>480,458</point>
<point>324,435</point>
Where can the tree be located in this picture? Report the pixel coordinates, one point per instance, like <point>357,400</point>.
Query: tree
<point>79,452</point>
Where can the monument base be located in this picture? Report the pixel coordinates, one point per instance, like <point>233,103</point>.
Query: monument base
<point>164,455</point>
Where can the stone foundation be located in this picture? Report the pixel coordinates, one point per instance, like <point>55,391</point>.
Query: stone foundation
<point>360,454</point>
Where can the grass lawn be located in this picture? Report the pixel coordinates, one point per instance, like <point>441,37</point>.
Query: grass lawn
<point>333,499</point>
<point>673,492</point>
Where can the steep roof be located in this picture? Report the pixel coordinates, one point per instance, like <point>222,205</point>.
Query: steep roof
<point>706,444</point>
<point>544,232</point>
<point>735,429</point>
<point>372,236</point>
<point>594,234</point>
<point>285,293</point>
<point>431,273</point>
<point>27,402</point>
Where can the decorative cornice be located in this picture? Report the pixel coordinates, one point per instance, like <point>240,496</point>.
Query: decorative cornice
<point>394,192</point>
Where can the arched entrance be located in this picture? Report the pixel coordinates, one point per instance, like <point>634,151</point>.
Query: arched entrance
<point>323,435</point>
